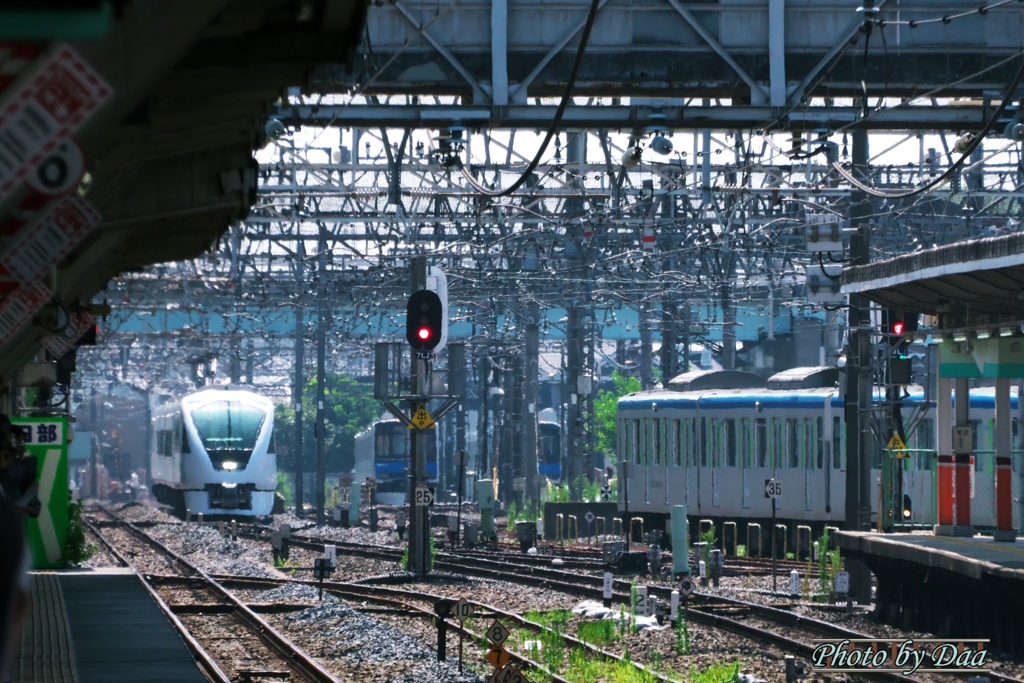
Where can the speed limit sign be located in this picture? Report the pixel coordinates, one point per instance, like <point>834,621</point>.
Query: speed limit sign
<point>462,610</point>
<point>424,496</point>
<point>772,488</point>
<point>497,633</point>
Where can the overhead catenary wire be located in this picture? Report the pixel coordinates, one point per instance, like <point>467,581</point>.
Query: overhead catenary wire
<point>975,143</point>
<point>570,83</point>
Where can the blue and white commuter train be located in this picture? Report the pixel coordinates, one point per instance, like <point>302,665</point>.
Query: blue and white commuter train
<point>382,452</point>
<point>711,439</point>
<point>212,451</point>
<point>549,453</point>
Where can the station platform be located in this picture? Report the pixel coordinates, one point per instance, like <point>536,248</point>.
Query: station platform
<point>99,626</point>
<point>971,587</point>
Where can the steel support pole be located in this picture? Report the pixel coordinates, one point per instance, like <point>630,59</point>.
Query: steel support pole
<point>321,362</point>
<point>858,382</point>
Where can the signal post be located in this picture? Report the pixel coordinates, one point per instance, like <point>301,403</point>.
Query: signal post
<point>426,334</point>
<point>419,520</point>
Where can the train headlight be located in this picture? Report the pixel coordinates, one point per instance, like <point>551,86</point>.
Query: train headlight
<point>229,466</point>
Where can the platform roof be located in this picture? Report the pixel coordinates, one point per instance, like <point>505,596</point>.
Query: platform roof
<point>975,283</point>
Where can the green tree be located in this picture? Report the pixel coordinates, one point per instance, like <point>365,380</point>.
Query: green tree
<point>349,409</point>
<point>606,408</point>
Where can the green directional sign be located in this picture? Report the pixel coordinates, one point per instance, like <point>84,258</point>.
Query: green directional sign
<point>83,20</point>
<point>47,439</point>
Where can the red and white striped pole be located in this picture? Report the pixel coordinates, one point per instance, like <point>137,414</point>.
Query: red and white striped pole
<point>1004,469</point>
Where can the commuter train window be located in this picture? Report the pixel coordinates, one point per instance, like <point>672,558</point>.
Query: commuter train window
<point>689,457</point>
<point>717,443</point>
<point>185,448</point>
<point>730,442</point>
<point>636,441</point>
<point>808,444</point>
<point>645,444</point>
<point>820,442</point>
<point>761,441</point>
<point>676,439</point>
<point>657,442</point>
<point>668,435</point>
<point>792,443</point>
<point>703,436</point>
<point>745,442</point>
<point>837,443</point>
<point>776,443</point>
<point>163,442</point>
<point>627,440</point>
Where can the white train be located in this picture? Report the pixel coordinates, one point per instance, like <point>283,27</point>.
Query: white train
<point>212,451</point>
<point>711,440</point>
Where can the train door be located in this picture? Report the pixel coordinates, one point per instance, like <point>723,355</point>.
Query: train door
<point>656,466</point>
<point>636,483</point>
<point>675,473</point>
<point>717,446</point>
<point>808,460</point>
<point>745,457</point>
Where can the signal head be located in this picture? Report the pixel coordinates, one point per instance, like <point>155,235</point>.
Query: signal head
<point>898,327</point>
<point>424,320</point>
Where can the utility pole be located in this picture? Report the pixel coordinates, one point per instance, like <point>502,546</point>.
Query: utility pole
<point>300,348</point>
<point>419,529</point>
<point>646,347</point>
<point>531,339</point>
<point>321,361</point>
<point>574,368</point>
<point>858,380</point>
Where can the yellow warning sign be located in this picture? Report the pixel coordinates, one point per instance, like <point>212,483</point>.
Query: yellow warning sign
<point>498,657</point>
<point>421,419</point>
<point>896,444</point>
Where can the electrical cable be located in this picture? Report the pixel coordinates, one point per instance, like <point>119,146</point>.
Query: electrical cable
<point>954,167</point>
<point>553,128</point>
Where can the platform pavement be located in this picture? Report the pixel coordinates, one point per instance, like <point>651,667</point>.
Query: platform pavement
<point>972,556</point>
<point>948,586</point>
<point>99,626</point>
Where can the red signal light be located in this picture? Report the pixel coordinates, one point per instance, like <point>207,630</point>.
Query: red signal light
<point>423,333</point>
<point>898,327</point>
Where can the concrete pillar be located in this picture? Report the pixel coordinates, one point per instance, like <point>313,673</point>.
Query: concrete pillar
<point>1004,470</point>
<point>944,446</point>
<point>680,542</point>
<point>962,460</point>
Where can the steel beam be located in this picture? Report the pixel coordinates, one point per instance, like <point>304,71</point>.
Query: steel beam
<point>626,118</point>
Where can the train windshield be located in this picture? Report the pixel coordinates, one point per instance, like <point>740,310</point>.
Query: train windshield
<point>228,427</point>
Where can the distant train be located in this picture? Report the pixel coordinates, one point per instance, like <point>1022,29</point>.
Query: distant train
<point>549,453</point>
<point>213,452</point>
<point>711,439</point>
<point>382,452</point>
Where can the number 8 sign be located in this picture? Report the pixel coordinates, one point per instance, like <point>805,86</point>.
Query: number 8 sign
<point>497,634</point>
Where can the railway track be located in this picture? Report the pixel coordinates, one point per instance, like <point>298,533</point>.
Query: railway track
<point>758,622</point>
<point>189,593</point>
<point>207,615</point>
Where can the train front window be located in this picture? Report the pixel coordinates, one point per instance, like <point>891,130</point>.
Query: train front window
<point>228,430</point>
